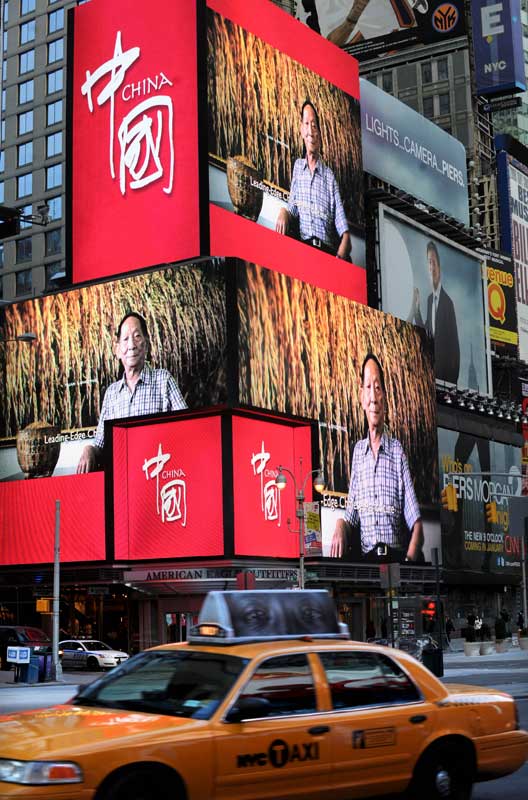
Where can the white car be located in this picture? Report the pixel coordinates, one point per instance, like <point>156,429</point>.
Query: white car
<point>90,654</point>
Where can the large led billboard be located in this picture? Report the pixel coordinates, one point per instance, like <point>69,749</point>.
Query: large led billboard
<point>53,389</point>
<point>285,171</point>
<point>162,470</point>
<point>409,151</point>
<point>482,471</point>
<point>513,201</point>
<point>134,131</point>
<point>371,28</point>
<point>435,284</point>
<point>301,350</point>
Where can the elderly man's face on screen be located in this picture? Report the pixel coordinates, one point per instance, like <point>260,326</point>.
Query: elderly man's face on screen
<point>372,396</point>
<point>132,344</point>
<point>310,131</point>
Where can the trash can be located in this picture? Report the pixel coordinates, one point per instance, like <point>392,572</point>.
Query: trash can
<point>433,659</point>
<point>33,670</point>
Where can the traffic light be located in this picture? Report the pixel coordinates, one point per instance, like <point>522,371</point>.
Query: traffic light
<point>9,222</point>
<point>491,512</point>
<point>449,498</point>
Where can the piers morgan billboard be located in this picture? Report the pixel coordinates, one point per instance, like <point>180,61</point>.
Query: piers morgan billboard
<point>372,28</point>
<point>134,136</point>
<point>409,151</point>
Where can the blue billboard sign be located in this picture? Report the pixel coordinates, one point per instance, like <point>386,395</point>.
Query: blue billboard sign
<point>412,153</point>
<point>498,47</point>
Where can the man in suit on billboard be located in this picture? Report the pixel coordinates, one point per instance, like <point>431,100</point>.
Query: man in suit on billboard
<point>441,321</point>
<point>382,517</point>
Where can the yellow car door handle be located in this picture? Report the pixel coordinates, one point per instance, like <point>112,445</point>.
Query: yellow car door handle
<point>418,718</point>
<point>318,729</point>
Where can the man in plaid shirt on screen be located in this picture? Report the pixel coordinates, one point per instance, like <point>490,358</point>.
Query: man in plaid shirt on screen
<point>141,390</point>
<point>315,203</point>
<point>382,514</point>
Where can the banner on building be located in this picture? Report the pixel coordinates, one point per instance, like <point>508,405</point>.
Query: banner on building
<point>437,285</point>
<point>377,27</point>
<point>134,126</point>
<point>53,388</point>
<point>512,180</point>
<point>410,152</point>
<point>314,372</point>
<point>482,472</point>
<point>498,47</point>
<point>274,90</point>
<point>501,302</point>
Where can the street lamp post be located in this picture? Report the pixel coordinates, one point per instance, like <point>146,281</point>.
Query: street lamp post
<point>319,485</point>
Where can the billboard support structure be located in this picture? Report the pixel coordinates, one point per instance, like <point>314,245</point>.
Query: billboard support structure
<point>57,666</point>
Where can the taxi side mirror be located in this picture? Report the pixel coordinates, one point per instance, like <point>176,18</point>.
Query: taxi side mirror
<point>248,708</point>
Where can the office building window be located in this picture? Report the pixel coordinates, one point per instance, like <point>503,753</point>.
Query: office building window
<point>386,82</point>
<point>2,131</point>
<point>3,99</point>
<point>56,20</point>
<point>27,6</point>
<point>26,62</point>
<point>428,107</point>
<point>27,32</point>
<point>55,51</point>
<point>55,275</point>
<point>54,112</point>
<point>2,192</point>
<point>53,242</point>
<point>25,123</point>
<point>24,249</point>
<point>54,144</point>
<point>443,73</point>
<point>55,207</point>
<point>427,73</point>
<point>4,69</point>
<point>25,185</point>
<point>25,154</point>
<point>406,76</point>
<point>2,160</point>
<point>54,176</point>
<point>55,81</point>
<point>6,11</point>
<point>1,254</point>
<point>445,105</point>
<point>26,92</point>
<point>26,211</point>
<point>23,282</point>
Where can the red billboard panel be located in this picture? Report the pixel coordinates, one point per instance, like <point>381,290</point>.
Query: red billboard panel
<point>27,520</point>
<point>285,168</point>
<point>168,489</point>
<point>263,513</point>
<point>135,194</point>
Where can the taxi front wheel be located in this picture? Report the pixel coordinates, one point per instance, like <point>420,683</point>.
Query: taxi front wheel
<point>142,783</point>
<point>443,773</point>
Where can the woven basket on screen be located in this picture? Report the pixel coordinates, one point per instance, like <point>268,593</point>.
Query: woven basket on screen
<point>36,452</point>
<point>246,199</point>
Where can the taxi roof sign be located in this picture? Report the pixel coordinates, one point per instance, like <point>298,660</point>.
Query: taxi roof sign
<point>262,615</point>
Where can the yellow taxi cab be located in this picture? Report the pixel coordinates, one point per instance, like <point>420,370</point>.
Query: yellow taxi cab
<point>268,699</point>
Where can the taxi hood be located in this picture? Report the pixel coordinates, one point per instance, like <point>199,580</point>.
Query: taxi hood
<point>67,730</point>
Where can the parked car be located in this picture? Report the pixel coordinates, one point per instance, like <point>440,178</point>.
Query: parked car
<point>23,635</point>
<point>90,654</point>
<point>268,698</point>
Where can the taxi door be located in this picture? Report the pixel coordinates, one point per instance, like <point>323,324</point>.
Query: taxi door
<point>378,722</point>
<point>287,752</point>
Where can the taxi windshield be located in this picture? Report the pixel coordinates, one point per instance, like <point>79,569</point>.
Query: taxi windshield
<point>176,683</point>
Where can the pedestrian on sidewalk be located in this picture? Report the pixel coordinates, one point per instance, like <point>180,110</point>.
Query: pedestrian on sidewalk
<point>449,628</point>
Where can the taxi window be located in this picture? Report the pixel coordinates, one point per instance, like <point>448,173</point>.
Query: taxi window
<point>366,679</point>
<point>286,682</point>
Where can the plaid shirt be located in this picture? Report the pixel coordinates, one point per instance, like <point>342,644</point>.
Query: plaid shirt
<point>315,201</point>
<point>155,391</point>
<point>381,494</point>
